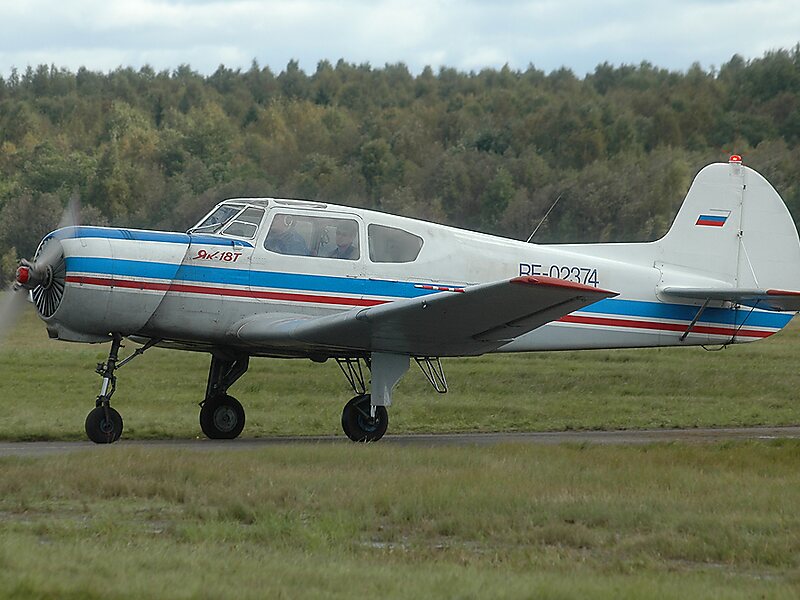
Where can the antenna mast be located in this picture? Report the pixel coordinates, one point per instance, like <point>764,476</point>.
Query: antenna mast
<point>543,218</point>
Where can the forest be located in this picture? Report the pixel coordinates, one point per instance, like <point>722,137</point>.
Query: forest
<point>488,150</point>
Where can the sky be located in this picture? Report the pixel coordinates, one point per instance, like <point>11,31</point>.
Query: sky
<point>468,35</point>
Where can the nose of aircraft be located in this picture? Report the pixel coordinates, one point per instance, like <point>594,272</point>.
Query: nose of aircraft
<point>31,275</point>
<point>42,280</point>
<point>23,275</point>
<point>44,276</point>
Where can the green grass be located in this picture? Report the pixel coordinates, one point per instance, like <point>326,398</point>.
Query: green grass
<point>672,521</point>
<point>48,386</point>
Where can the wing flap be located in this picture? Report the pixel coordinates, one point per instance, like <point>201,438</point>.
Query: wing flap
<point>768,299</point>
<point>472,320</point>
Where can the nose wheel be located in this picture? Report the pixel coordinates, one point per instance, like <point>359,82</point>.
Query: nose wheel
<point>103,425</point>
<point>363,422</point>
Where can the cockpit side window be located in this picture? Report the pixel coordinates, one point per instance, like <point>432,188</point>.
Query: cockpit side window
<point>392,245</point>
<point>307,235</point>
<point>245,224</point>
<point>217,220</point>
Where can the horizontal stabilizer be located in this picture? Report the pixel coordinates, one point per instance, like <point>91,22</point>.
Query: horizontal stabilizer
<point>779,300</point>
<point>459,322</point>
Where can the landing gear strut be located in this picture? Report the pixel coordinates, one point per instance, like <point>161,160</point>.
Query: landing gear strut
<point>222,416</point>
<point>103,423</point>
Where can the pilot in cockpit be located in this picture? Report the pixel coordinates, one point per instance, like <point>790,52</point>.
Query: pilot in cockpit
<point>283,239</point>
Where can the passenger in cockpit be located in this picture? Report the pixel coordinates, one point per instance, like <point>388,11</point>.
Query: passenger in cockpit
<point>346,246</point>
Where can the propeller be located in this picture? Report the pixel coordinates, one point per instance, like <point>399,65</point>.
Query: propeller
<point>41,280</point>
<point>11,306</point>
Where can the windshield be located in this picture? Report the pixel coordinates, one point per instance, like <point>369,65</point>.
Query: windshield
<point>215,221</point>
<point>245,224</point>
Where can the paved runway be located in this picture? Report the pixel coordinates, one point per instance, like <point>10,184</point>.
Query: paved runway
<point>627,437</point>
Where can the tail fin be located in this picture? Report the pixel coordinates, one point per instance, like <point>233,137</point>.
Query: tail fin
<point>733,227</point>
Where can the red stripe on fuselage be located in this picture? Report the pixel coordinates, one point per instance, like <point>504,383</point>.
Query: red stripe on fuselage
<point>610,322</point>
<point>218,291</point>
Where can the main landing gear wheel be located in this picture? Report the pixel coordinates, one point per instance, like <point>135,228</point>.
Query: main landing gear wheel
<point>222,417</point>
<point>359,425</point>
<point>103,425</point>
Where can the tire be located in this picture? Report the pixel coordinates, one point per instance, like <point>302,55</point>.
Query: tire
<point>358,425</point>
<point>101,430</point>
<point>222,418</point>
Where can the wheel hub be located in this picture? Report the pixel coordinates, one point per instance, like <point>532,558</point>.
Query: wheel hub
<point>369,427</point>
<point>225,418</point>
<point>368,423</point>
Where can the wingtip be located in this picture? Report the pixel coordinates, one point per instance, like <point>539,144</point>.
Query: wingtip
<point>561,283</point>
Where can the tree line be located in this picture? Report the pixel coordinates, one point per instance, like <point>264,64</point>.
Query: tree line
<point>488,150</point>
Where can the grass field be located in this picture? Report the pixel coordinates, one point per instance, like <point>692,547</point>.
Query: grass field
<point>343,521</point>
<point>49,386</point>
<point>338,521</point>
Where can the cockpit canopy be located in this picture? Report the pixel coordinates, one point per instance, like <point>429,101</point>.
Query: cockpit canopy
<point>235,219</point>
<point>295,231</point>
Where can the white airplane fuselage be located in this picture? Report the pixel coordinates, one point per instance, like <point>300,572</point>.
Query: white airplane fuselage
<point>190,290</point>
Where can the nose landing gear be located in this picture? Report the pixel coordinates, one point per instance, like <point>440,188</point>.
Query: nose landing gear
<point>103,423</point>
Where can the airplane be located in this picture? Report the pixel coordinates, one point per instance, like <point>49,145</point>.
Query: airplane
<point>272,277</point>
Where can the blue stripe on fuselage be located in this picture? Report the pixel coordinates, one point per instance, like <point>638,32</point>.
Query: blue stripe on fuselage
<point>683,312</point>
<point>127,268</point>
<point>230,276</point>
<point>397,289</point>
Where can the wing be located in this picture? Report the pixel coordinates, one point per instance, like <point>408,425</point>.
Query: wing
<point>779,300</point>
<point>465,321</point>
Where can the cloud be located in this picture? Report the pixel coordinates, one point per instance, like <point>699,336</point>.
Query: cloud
<point>467,34</point>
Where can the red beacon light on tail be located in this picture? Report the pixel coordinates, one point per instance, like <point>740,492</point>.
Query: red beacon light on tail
<point>735,159</point>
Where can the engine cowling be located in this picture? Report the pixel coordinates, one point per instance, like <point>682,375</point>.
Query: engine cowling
<point>84,291</point>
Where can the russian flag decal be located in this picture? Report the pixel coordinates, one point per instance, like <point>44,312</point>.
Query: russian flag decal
<point>714,220</point>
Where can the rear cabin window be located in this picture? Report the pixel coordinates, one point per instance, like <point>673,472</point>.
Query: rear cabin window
<point>303,235</point>
<point>392,245</point>
<point>246,224</point>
